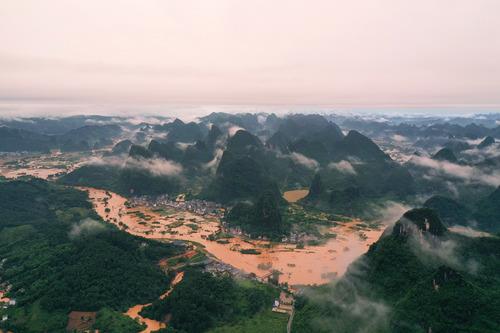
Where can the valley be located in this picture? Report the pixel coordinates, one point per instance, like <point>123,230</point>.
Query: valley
<point>306,266</point>
<point>249,223</point>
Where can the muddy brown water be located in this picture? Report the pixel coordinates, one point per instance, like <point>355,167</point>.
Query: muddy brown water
<point>308,266</point>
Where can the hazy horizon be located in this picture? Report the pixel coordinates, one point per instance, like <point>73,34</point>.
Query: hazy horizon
<point>345,55</point>
<point>188,112</point>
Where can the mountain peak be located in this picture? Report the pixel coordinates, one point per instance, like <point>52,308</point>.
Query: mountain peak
<point>488,141</point>
<point>243,140</point>
<point>425,219</point>
<point>445,154</point>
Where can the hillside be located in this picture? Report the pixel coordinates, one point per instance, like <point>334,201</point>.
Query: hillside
<point>408,283</point>
<point>59,257</point>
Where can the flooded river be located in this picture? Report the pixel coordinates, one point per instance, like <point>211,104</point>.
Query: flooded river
<point>307,266</point>
<point>152,325</point>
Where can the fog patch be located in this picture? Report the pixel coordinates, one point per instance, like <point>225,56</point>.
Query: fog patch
<point>233,129</point>
<point>305,161</point>
<point>477,154</point>
<point>214,163</point>
<point>138,120</point>
<point>101,122</point>
<point>155,166</point>
<point>183,145</point>
<point>390,212</point>
<point>399,138</point>
<point>349,310</point>
<point>464,172</point>
<point>261,119</point>
<point>468,231</point>
<point>85,227</point>
<point>431,249</point>
<point>343,166</point>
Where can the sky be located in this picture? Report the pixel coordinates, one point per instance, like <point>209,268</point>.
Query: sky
<point>340,54</point>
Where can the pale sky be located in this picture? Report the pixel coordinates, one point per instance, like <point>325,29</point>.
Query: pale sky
<point>294,52</point>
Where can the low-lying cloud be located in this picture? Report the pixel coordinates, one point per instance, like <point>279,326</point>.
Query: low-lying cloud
<point>399,138</point>
<point>85,227</point>
<point>155,166</point>
<point>214,163</point>
<point>232,129</point>
<point>305,161</point>
<point>464,172</point>
<point>343,166</point>
<point>433,250</point>
<point>354,312</point>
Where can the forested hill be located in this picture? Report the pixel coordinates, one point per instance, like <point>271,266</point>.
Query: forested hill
<point>59,257</point>
<point>419,277</point>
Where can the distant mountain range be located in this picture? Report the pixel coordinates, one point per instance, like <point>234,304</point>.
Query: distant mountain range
<point>237,157</point>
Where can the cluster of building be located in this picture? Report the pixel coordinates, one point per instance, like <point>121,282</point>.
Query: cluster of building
<point>200,207</point>
<point>217,267</point>
<point>301,237</point>
<point>284,304</point>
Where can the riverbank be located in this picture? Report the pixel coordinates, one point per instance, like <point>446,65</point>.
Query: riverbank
<point>306,266</point>
<point>152,325</point>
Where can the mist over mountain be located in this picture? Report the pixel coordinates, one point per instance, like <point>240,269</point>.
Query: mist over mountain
<point>299,182</point>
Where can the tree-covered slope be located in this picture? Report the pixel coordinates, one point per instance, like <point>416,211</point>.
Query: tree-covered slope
<point>59,257</point>
<point>418,277</point>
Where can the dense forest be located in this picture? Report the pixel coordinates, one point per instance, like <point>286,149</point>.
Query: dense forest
<point>417,278</point>
<point>59,257</point>
<point>202,301</point>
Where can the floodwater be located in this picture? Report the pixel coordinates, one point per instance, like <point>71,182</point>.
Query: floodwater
<point>295,195</point>
<point>307,266</point>
<point>34,172</point>
<point>152,325</point>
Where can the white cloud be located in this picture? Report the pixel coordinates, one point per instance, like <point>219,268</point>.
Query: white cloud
<point>156,166</point>
<point>465,172</point>
<point>399,138</point>
<point>183,145</point>
<point>233,129</point>
<point>85,227</point>
<point>468,231</point>
<point>343,166</point>
<point>430,249</point>
<point>305,161</point>
<point>214,163</point>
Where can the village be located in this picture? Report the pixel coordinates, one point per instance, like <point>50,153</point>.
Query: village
<point>179,202</point>
<point>217,248</point>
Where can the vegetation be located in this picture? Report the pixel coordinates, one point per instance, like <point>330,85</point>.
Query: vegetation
<point>261,218</point>
<point>401,285</point>
<point>265,321</point>
<point>59,257</point>
<point>450,211</point>
<point>202,301</point>
<point>125,181</point>
<point>110,321</point>
<point>488,212</point>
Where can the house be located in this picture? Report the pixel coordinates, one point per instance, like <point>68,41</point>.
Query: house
<point>286,298</point>
<point>81,322</point>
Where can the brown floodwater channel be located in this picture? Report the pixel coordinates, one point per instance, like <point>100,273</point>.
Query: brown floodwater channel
<point>311,265</point>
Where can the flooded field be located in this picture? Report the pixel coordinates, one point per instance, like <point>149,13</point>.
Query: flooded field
<point>43,166</point>
<point>295,195</point>
<point>309,265</point>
